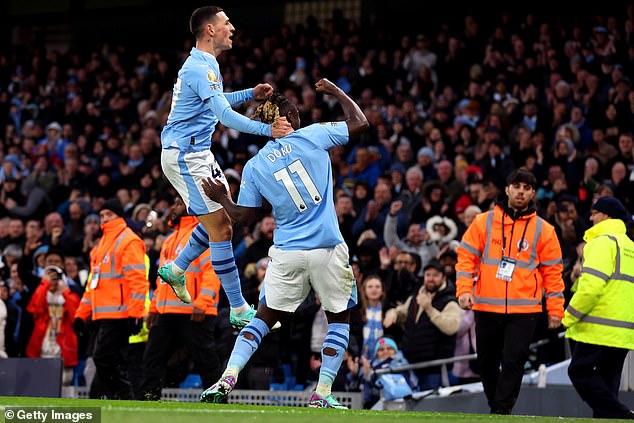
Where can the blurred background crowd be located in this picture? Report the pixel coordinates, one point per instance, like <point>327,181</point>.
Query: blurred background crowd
<point>452,111</point>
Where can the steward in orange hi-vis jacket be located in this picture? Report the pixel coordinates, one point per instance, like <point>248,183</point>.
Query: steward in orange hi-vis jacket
<point>202,282</point>
<point>115,298</point>
<point>514,258</point>
<point>172,321</point>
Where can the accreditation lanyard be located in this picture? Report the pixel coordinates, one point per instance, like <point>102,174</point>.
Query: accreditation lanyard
<point>96,266</point>
<point>507,264</point>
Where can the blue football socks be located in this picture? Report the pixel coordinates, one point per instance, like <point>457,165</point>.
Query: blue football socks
<point>337,339</point>
<point>244,348</point>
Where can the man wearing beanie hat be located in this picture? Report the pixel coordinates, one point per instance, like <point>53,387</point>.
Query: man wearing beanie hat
<point>514,259</point>
<point>114,299</point>
<point>114,205</point>
<point>600,316</point>
<point>612,207</point>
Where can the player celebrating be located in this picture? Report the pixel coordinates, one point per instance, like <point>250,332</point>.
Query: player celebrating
<point>294,175</point>
<point>198,104</point>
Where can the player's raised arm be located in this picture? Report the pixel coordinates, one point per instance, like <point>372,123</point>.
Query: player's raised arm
<point>355,119</point>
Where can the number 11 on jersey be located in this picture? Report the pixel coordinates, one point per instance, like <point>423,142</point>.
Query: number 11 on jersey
<point>298,168</point>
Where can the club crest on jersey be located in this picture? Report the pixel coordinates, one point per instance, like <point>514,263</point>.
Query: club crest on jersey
<point>522,245</point>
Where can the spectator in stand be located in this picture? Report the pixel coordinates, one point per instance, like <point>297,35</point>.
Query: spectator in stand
<point>24,200</point>
<point>365,167</point>
<point>53,145</point>
<point>385,354</point>
<point>431,318</point>
<point>55,257</point>
<point>466,371</point>
<point>54,232</point>
<point>53,308</point>
<point>372,301</point>
<point>374,214</point>
<point>626,151</point>
<point>346,216</point>
<point>91,234</point>
<point>263,235</point>
<point>74,272</point>
<point>620,184</point>
<point>412,194</point>
<point>15,234</point>
<point>400,277</point>
<point>425,159</point>
<point>416,241</point>
<point>434,202</point>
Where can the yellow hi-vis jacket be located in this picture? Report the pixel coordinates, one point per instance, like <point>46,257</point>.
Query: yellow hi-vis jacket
<point>142,336</point>
<point>600,311</point>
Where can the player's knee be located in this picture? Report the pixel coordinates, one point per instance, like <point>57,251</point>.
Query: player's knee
<point>221,232</point>
<point>224,231</point>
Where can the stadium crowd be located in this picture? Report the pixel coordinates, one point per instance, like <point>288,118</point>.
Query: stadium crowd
<point>451,114</point>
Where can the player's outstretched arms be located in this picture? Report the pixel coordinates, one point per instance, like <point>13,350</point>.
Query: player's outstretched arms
<point>218,193</point>
<point>355,119</point>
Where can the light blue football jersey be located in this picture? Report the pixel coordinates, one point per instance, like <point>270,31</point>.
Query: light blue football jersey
<point>198,79</point>
<point>294,175</point>
<point>191,121</point>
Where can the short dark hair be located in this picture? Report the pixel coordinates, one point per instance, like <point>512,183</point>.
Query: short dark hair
<point>522,175</point>
<point>54,251</point>
<point>200,17</point>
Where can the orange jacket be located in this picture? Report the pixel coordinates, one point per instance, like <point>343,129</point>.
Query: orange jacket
<point>533,243</point>
<point>118,263</point>
<point>202,282</point>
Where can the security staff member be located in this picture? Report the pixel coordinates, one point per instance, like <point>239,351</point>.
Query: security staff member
<point>115,299</point>
<point>513,256</point>
<point>171,320</point>
<point>600,316</point>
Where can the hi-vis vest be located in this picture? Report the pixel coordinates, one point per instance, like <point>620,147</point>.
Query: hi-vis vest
<point>142,336</point>
<point>118,263</point>
<point>601,311</point>
<point>202,282</point>
<point>532,242</point>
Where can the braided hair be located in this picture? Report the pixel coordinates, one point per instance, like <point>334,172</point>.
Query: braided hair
<point>275,106</point>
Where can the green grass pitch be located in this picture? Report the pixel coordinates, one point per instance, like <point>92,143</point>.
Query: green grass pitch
<point>186,412</point>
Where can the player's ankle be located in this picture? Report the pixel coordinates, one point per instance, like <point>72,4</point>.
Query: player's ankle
<point>241,309</point>
<point>177,270</point>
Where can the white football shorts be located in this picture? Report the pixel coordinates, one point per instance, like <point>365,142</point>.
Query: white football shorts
<point>186,171</point>
<point>291,273</point>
